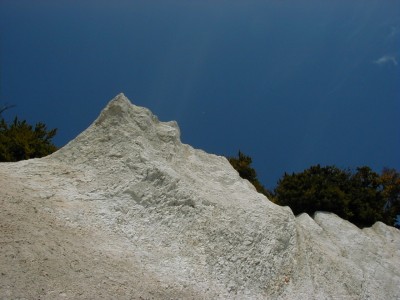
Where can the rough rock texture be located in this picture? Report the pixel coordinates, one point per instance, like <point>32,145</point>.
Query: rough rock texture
<point>126,211</point>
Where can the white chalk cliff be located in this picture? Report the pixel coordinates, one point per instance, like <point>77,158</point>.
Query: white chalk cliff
<point>126,211</point>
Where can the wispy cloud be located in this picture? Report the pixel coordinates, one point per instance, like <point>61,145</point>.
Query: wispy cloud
<point>386,59</point>
<point>394,31</point>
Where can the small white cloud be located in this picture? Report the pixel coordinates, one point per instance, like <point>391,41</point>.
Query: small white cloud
<point>386,59</point>
<point>395,30</point>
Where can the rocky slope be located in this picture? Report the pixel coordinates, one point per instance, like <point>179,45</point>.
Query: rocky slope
<point>126,211</point>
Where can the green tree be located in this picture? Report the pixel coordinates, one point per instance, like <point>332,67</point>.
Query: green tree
<point>390,181</point>
<point>362,197</point>
<point>316,189</point>
<point>19,140</point>
<point>242,164</point>
<point>366,199</point>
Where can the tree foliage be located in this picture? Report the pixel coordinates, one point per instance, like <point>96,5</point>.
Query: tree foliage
<point>19,140</point>
<point>314,189</point>
<point>390,181</point>
<point>362,197</point>
<point>242,164</point>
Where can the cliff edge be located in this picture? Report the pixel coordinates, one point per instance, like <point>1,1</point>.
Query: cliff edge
<point>127,211</point>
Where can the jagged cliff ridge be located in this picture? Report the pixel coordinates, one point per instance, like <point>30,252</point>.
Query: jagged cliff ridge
<point>127,211</point>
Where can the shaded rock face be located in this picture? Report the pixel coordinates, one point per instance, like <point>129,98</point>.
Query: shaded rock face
<point>127,211</point>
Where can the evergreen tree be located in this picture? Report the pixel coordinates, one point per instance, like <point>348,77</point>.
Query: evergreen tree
<point>316,189</point>
<point>362,197</point>
<point>366,199</point>
<point>19,140</point>
<point>242,164</point>
<point>390,181</point>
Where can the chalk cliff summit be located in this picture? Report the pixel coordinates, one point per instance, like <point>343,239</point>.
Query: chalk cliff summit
<point>126,211</point>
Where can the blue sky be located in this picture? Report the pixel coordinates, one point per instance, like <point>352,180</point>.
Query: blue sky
<point>290,83</point>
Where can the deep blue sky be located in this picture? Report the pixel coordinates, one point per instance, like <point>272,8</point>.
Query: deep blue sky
<point>291,83</point>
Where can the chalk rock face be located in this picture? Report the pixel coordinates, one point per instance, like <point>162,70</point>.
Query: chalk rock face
<point>127,211</point>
